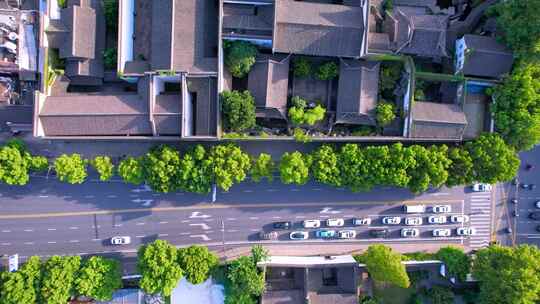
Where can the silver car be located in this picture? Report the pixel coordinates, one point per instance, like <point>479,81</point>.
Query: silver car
<point>361,221</point>
<point>413,221</point>
<point>410,232</point>
<point>459,218</point>
<point>437,219</point>
<point>466,231</point>
<point>346,234</point>
<point>391,220</point>
<point>121,240</point>
<point>442,209</point>
<point>299,235</point>
<point>442,232</point>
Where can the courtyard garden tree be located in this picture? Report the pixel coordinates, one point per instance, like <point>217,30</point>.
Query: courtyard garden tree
<point>390,73</point>
<point>244,275</point>
<point>110,10</point>
<point>325,166</point>
<point>385,113</point>
<point>263,167</point>
<point>131,170</point>
<point>71,168</point>
<point>230,165</point>
<point>104,167</point>
<point>461,170</point>
<point>384,265</point>
<point>161,166</point>
<point>57,284</point>
<point>238,109</point>
<point>239,57</point>
<point>493,160</point>
<point>301,67</point>
<point>159,268</point>
<point>521,26</point>
<point>294,168</point>
<point>259,253</point>
<point>516,108</point>
<point>300,114</point>
<point>98,278</point>
<point>197,262</point>
<point>195,174</point>
<point>21,286</point>
<point>458,263</point>
<point>508,274</point>
<point>327,71</point>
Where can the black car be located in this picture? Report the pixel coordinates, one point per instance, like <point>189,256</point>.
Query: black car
<point>379,233</point>
<point>282,225</point>
<point>534,216</point>
<point>528,186</point>
<point>538,228</point>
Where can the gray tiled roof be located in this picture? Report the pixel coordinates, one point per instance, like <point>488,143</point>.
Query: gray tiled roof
<point>162,12</point>
<point>268,83</point>
<point>240,16</point>
<point>357,92</point>
<point>81,25</point>
<point>205,114</point>
<point>437,120</point>
<point>486,57</point>
<point>318,29</point>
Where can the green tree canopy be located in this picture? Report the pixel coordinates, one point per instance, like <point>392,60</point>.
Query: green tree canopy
<point>384,265</point>
<point>58,279</point>
<point>238,109</point>
<point>239,57</point>
<point>327,71</point>
<point>430,168</point>
<point>157,263</point>
<point>259,253</point>
<point>458,263</point>
<point>521,25</point>
<point>161,166</point>
<point>244,275</point>
<point>325,166</point>
<point>461,170</point>
<point>294,168</point>
<point>301,67</point>
<point>197,263</point>
<point>440,295</point>
<point>298,114</point>
<point>314,115</point>
<point>516,108</point>
<point>385,113</point>
<point>508,274</point>
<point>21,286</point>
<point>240,297</point>
<point>70,168</point>
<point>263,166</point>
<point>131,170</point>
<point>14,166</point>
<point>104,166</point>
<point>98,278</point>
<point>352,165</point>
<point>230,165</point>
<point>39,163</point>
<point>493,161</point>
<point>195,173</point>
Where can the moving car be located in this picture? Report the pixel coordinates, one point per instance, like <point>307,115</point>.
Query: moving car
<point>442,209</point>
<point>337,222</point>
<point>272,235</point>
<point>410,232</point>
<point>391,220</point>
<point>413,221</point>
<point>379,233</point>
<point>311,223</point>
<point>346,234</point>
<point>534,216</point>
<point>299,235</point>
<point>459,218</point>
<point>325,234</point>
<point>282,225</point>
<point>361,221</point>
<point>537,204</point>
<point>481,187</point>
<point>437,219</point>
<point>442,232</point>
<point>466,231</point>
<point>414,208</point>
<point>120,240</point>
<point>528,186</point>
<point>538,228</point>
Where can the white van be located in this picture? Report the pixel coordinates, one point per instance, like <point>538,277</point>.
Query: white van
<point>414,208</point>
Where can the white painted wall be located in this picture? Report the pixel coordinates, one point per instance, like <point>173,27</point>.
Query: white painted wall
<point>126,27</point>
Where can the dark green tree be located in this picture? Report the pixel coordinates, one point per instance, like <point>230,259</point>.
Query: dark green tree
<point>161,166</point>
<point>71,168</point>
<point>263,167</point>
<point>440,295</point>
<point>98,278</point>
<point>104,166</point>
<point>460,171</point>
<point>57,284</point>
<point>239,57</point>
<point>325,166</point>
<point>131,170</point>
<point>352,165</point>
<point>244,275</point>
<point>21,286</point>
<point>431,168</point>
<point>493,160</point>
<point>458,263</point>
<point>327,71</point>
<point>158,265</point>
<point>196,173</point>
<point>230,165</point>
<point>384,265</point>
<point>294,168</point>
<point>110,10</point>
<point>238,110</point>
<point>301,67</point>
<point>197,263</point>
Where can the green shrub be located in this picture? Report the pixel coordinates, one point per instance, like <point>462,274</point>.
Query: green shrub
<point>301,136</point>
<point>62,3</point>
<point>110,10</point>
<point>39,163</point>
<point>104,167</point>
<point>70,168</point>
<point>110,58</point>
<point>238,110</point>
<point>385,113</point>
<point>327,71</point>
<point>301,67</point>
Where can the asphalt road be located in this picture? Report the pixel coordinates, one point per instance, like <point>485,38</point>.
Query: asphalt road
<point>47,217</point>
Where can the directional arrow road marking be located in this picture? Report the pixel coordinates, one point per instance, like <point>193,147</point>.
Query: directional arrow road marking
<point>329,210</point>
<point>197,214</point>
<point>203,226</point>
<point>145,188</point>
<point>204,237</point>
<point>145,202</point>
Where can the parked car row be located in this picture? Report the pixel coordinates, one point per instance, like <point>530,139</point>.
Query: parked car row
<point>417,221</point>
<point>422,209</point>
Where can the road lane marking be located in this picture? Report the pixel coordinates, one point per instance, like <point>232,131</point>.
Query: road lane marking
<point>140,224</point>
<point>96,240</point>
<point>247,191</point>
<point>254,218</point>
<point>73,228</point>
<point>232,231</point>
<point>254,230</point>
<point>163,234</point>
<point>51,242</point>
<point>89,196</point>
<point>163,222</point>
<point>28,243</point>
<point>202,225</point>
<point>117,225</point>
<point>184,233</point>
<point>43,196</point>
<point>231,219</point>
<point>204,237</point>
<point>74,241</point>
<point>6,244</point>
<point>329,210</point>
<point>51,229</point>
<point>28,230</point>
<point>316,189</point>
<point>139,236</point>
<point>276,217</point>
<point>6,231</point>
<point>198,214</point>
<point>94,227</point>
<point>299,217</point>
<point>271,190</point>
<point>112,196</point>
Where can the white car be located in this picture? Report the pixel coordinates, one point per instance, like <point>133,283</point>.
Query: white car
<point>121,240</point>
<point>442,232</point>
<point>481,188</point>
<point>337,222</point>
<point>537,204</point>
<point>361,221</point>
<point>391,220</point>
<point>346,234</point>
<point>413,221</point>
<point>459,218</point>
<point>442,209</point>
<point>437,219</point>
<point>299,235</point>
<point>311,224</point>
<point>466,231</point>
<point>410,232</point>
